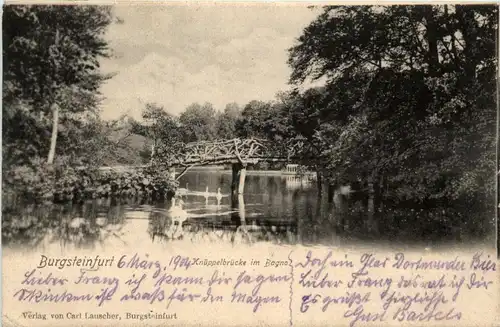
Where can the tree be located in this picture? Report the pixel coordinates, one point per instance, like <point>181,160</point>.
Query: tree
<point>51,63</point>
<point>159,126</point>
<point>408,106</point>
<point>198,122</point>
<point>94,142</point>
<point>253,118</point>
<point>226,121</point>
<point>420,38</point>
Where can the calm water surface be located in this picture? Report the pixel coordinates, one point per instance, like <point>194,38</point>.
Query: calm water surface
<point>277,209</point>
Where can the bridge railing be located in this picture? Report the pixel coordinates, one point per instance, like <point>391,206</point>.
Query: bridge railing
<point>248,150</point>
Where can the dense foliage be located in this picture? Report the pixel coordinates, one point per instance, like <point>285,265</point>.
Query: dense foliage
<point>409,106</point>
<point>51,77</point>
<point>59,183</point>
<point>51,125</point>
<point>406,115</point>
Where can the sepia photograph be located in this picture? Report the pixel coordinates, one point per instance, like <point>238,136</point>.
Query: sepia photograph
<point>145,125</point>
<point>269,164</point>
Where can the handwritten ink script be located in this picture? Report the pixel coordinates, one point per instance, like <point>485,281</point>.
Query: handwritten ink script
<point>154,282</point>
<point>382,288</point>
<point>359,289</point>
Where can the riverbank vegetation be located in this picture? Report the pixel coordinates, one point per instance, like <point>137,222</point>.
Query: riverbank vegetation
<point>408,109</point>
<point>53,140</point>
<point>406,115</point>
<point>60,184</point>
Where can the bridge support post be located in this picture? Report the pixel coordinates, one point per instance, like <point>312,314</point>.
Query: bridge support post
<point>234,183</point>
<point>238,182</point>
<point>241,183</point>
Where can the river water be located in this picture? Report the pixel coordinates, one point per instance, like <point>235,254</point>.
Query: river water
<point>275,208</point>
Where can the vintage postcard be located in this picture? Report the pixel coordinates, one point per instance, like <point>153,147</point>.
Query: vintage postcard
<point>249,164</point>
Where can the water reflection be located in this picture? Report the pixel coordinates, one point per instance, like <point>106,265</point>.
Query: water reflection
<point>276,209</point>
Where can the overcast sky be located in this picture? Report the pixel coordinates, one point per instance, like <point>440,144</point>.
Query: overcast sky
<point>177,55</point>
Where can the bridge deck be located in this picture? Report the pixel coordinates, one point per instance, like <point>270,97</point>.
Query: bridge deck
<point>243,151</point>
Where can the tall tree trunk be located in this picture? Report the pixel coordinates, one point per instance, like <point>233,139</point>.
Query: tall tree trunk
<point>55,113</point>
<point>449,25</point>
<point>468,27</point>
<point>53,138</point>
<point>153,149</point>
<point>374,203</point>
<point>432,40</point>
<point>331,192</point>
<point>323,182</point>
<point>379,204</point>
<point>319,180</point>
<point>324,186</point>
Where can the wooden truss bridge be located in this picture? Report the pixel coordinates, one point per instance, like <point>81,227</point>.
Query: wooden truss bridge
<point>243,151</point>
<point>238,152</point>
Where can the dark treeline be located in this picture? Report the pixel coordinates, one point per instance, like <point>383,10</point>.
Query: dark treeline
<point>408,110</point>
<point>51,125</point>
<point>407,114</point>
